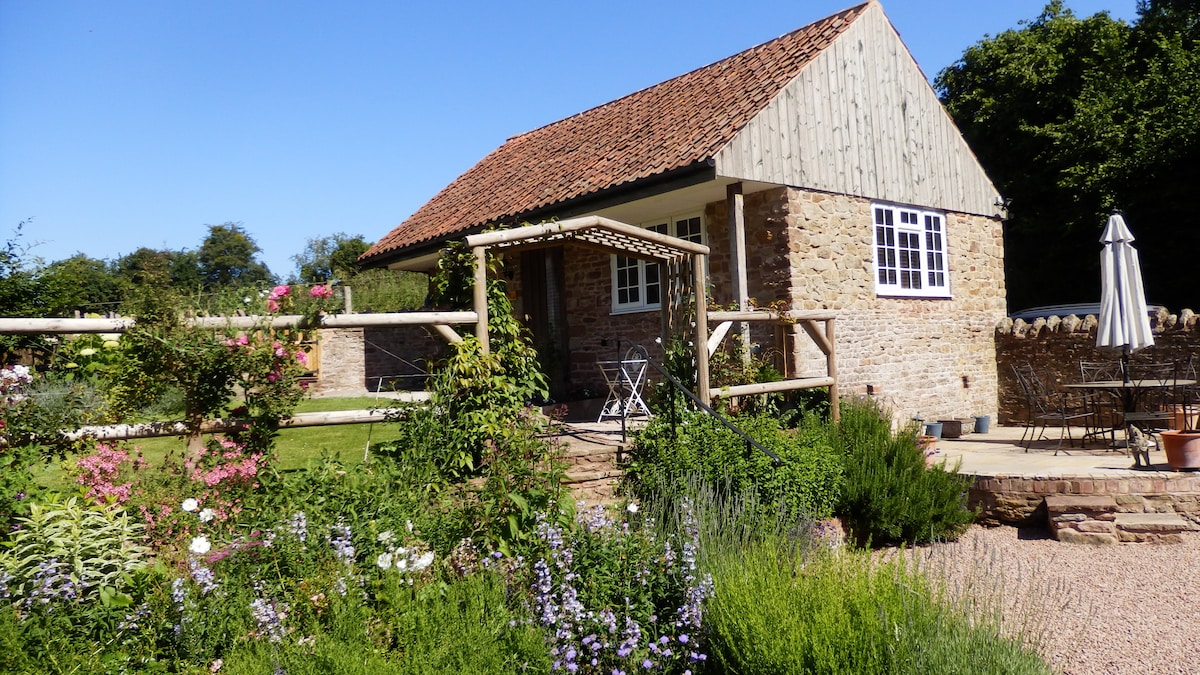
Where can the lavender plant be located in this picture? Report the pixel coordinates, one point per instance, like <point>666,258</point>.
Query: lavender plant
<point>615,597</point>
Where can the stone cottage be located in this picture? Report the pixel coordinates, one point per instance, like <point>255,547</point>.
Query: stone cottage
<point>823,174</point>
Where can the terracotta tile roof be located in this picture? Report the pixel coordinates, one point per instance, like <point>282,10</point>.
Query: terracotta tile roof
<point>668,126</point>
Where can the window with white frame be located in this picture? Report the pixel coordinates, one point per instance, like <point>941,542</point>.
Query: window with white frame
<point>636,283</point>
<point>910,252</point>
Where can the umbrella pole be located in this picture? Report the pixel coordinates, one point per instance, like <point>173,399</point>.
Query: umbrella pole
<point>1125,363</point>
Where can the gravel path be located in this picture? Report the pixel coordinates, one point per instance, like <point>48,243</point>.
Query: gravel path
<point>1129,608</point>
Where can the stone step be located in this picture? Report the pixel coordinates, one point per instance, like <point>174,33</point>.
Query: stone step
<point>1079,504</point>
<point>1157,528</point>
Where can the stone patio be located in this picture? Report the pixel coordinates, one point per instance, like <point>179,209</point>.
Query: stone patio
<point>1011,484</point>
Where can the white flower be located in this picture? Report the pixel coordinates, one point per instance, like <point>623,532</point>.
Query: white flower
<point>88,351</point>
<point>200,545</point>
<point>384,561</point>
<point>207,515</point>
<point>190,505</point>
<point>402,564</point>
<point>385,537</point>
<point>409,525</point>
<point>632,508</point>
<point>422,562</point>
<point>246,300</point>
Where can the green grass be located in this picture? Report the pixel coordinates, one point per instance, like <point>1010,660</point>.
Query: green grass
<point>847,612</point>
<point>295,447</point>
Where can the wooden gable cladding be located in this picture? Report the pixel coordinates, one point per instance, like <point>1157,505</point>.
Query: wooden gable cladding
<point>861,119</point>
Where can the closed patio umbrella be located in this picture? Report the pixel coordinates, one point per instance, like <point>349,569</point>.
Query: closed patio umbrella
<point>1124,322</point>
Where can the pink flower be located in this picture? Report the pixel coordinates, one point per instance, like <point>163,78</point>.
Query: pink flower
<point>321,292</point>
<point>280,291</point>
<point>302,358</point>
<point>272,306</point>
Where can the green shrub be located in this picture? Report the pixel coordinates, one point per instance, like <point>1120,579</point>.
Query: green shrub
<point>775,612</point>
<point>668,459</point>
<point>891,496</point>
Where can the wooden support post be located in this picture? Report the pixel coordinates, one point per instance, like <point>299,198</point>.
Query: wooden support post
<point>348,298</point>
<point>701,340</point>
<point>481,303</point>
<point>735,204</point>
<point>831,369</point>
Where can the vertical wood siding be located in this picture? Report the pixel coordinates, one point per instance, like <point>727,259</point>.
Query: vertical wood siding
<point>862,120</point>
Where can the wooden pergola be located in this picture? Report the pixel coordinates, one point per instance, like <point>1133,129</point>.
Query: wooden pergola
<point>671,253</point>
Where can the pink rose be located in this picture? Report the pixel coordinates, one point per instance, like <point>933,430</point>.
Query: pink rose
<point>321,292</point>
<point>280,291</point>
<point>272,306</point>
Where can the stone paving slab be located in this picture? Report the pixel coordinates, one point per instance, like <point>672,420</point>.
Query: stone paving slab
<point>997,454</point>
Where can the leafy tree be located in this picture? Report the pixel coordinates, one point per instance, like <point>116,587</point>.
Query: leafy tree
<point>21,293</point>
<point>227,258</point>
<point>144,267</point>
<point>328,258</point>
<point>81,283</point>
<point>1074,117</point>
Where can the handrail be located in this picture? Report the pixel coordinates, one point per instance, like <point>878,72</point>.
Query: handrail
<point>704,406</point>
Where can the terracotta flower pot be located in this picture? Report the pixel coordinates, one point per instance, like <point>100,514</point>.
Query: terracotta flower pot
<point>1182,449</point>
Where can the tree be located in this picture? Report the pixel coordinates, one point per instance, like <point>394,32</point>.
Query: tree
<point>21,294</point>
<point>227,258</point>
<point>81,284</point>
<point>1074,117</point>
<point>330,258</point>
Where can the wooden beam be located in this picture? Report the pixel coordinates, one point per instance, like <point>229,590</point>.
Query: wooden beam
<point>216,426</point>
<point>831,367</point>
<point>820,334</point>
<point>530,232</point>
<point>773,387</point>
<point>447,333</point>
<point>735,205</point>
<point>10,326</point>
<point>480,298</point>
<point>701,293</point>
<point>771,315</point>
<point>719,334</point>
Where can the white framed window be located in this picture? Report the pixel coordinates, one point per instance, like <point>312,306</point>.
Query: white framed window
<point>636,285</point>
<point>910,252</point>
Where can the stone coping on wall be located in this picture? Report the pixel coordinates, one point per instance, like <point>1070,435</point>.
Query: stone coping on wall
<point>1160,322</point>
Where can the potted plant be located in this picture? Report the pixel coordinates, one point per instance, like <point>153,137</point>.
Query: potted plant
<point>1182,445</point>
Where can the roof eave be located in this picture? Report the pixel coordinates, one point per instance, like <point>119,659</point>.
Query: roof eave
<point>667,181</point>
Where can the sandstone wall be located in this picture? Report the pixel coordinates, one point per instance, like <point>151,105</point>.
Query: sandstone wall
<point>1054,346</point>
<point>808,250</point>
<point>935,357</point>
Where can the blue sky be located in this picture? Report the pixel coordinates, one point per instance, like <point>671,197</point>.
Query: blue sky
<point>131,123</point>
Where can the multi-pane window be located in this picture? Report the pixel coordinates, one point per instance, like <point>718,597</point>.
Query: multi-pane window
<point>636,283</point>
<point>910,252</point>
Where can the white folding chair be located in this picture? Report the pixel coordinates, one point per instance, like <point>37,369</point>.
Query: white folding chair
<point>625,380</point>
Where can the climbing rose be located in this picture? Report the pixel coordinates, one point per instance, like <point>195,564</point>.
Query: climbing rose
<point>321,292</point>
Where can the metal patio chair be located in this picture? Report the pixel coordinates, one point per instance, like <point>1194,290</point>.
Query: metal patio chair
<point>1044,406</point>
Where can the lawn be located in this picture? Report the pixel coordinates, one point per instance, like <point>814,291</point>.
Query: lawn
<point>295,447</point>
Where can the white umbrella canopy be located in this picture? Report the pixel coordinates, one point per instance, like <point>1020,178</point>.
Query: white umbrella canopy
<point>1124,321</point>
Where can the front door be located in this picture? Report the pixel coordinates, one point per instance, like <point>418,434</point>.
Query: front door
<point>541,294</point>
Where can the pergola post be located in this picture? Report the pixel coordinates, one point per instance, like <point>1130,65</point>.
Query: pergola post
<point>701,339</point>
<point>481,305</point>
<point>735,205</point>
<point>831,369</point>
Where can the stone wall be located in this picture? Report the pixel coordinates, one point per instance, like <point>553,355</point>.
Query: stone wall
<point>935,357</point>
<point>1054,346</point>
<point>810,250</point>
<point>357,361</point>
